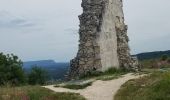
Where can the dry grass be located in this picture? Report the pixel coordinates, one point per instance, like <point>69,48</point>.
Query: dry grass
<point>153,87</point>
<point>35,93</point>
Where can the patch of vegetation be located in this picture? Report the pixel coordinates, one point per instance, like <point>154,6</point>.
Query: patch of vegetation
<point>153,87</point>
<point>162,62</point>
<point>108,77</point>
<point>110,71</point>
<point>164,57</point>
<point>168,60</point>
<point>76,86</point>
<point>148,70</point>
<point>37,76</point>
<point>35,93</point>
<point>120,71</point>
<point>11,71</point>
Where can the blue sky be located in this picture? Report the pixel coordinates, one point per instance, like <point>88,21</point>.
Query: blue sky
<point>47,29</point>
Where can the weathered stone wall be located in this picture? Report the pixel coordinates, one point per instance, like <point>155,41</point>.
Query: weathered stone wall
<point>103,38</point>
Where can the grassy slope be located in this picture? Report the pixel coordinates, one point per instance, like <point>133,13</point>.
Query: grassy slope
<point>153,87</point>
<point>35,93</point>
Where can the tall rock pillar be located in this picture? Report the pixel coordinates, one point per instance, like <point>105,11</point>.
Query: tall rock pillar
<point>103,38</point>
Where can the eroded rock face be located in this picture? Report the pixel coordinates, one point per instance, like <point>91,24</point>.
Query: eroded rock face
<point>103,38</point>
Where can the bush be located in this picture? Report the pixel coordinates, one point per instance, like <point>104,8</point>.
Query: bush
<point>37,76</point>
<point>164,57</point>
<point>168,60</point>
<point>11,71</point>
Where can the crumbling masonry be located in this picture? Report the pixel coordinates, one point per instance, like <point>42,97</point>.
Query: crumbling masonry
<point>103,38</point>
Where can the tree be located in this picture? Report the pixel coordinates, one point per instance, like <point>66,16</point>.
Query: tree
<point>37,76</point>
<point>11,71</point>
<point>164,57</point>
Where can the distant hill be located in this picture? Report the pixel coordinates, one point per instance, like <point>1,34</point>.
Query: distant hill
<point>58,70</point>
<point>42,63</point>
<point>55,70</point>
<point>152,55</point>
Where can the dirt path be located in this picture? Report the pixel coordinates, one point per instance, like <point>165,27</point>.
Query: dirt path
<point>99,90</point>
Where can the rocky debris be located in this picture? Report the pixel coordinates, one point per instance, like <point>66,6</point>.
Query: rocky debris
<point>135,64</point>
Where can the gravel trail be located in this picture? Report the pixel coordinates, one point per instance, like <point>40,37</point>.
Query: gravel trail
<point>99,90</point>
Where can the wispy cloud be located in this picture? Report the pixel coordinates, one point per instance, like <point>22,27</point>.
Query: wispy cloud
<point>8,20</point>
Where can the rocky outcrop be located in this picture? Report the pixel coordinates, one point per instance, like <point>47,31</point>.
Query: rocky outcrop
<point>103,38</point>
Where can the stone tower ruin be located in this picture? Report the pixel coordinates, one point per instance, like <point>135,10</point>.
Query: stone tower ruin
<point>103,38</point>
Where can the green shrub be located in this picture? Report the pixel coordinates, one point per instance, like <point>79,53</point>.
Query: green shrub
<point>37,76</point>
<point>164,57</point>
<point>168,60</point>
<point>11,71</point>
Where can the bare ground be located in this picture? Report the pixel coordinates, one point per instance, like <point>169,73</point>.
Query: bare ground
<point>99,90</point>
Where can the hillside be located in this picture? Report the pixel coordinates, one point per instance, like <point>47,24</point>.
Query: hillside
<point>152,55</point>
<point>42,63</point>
